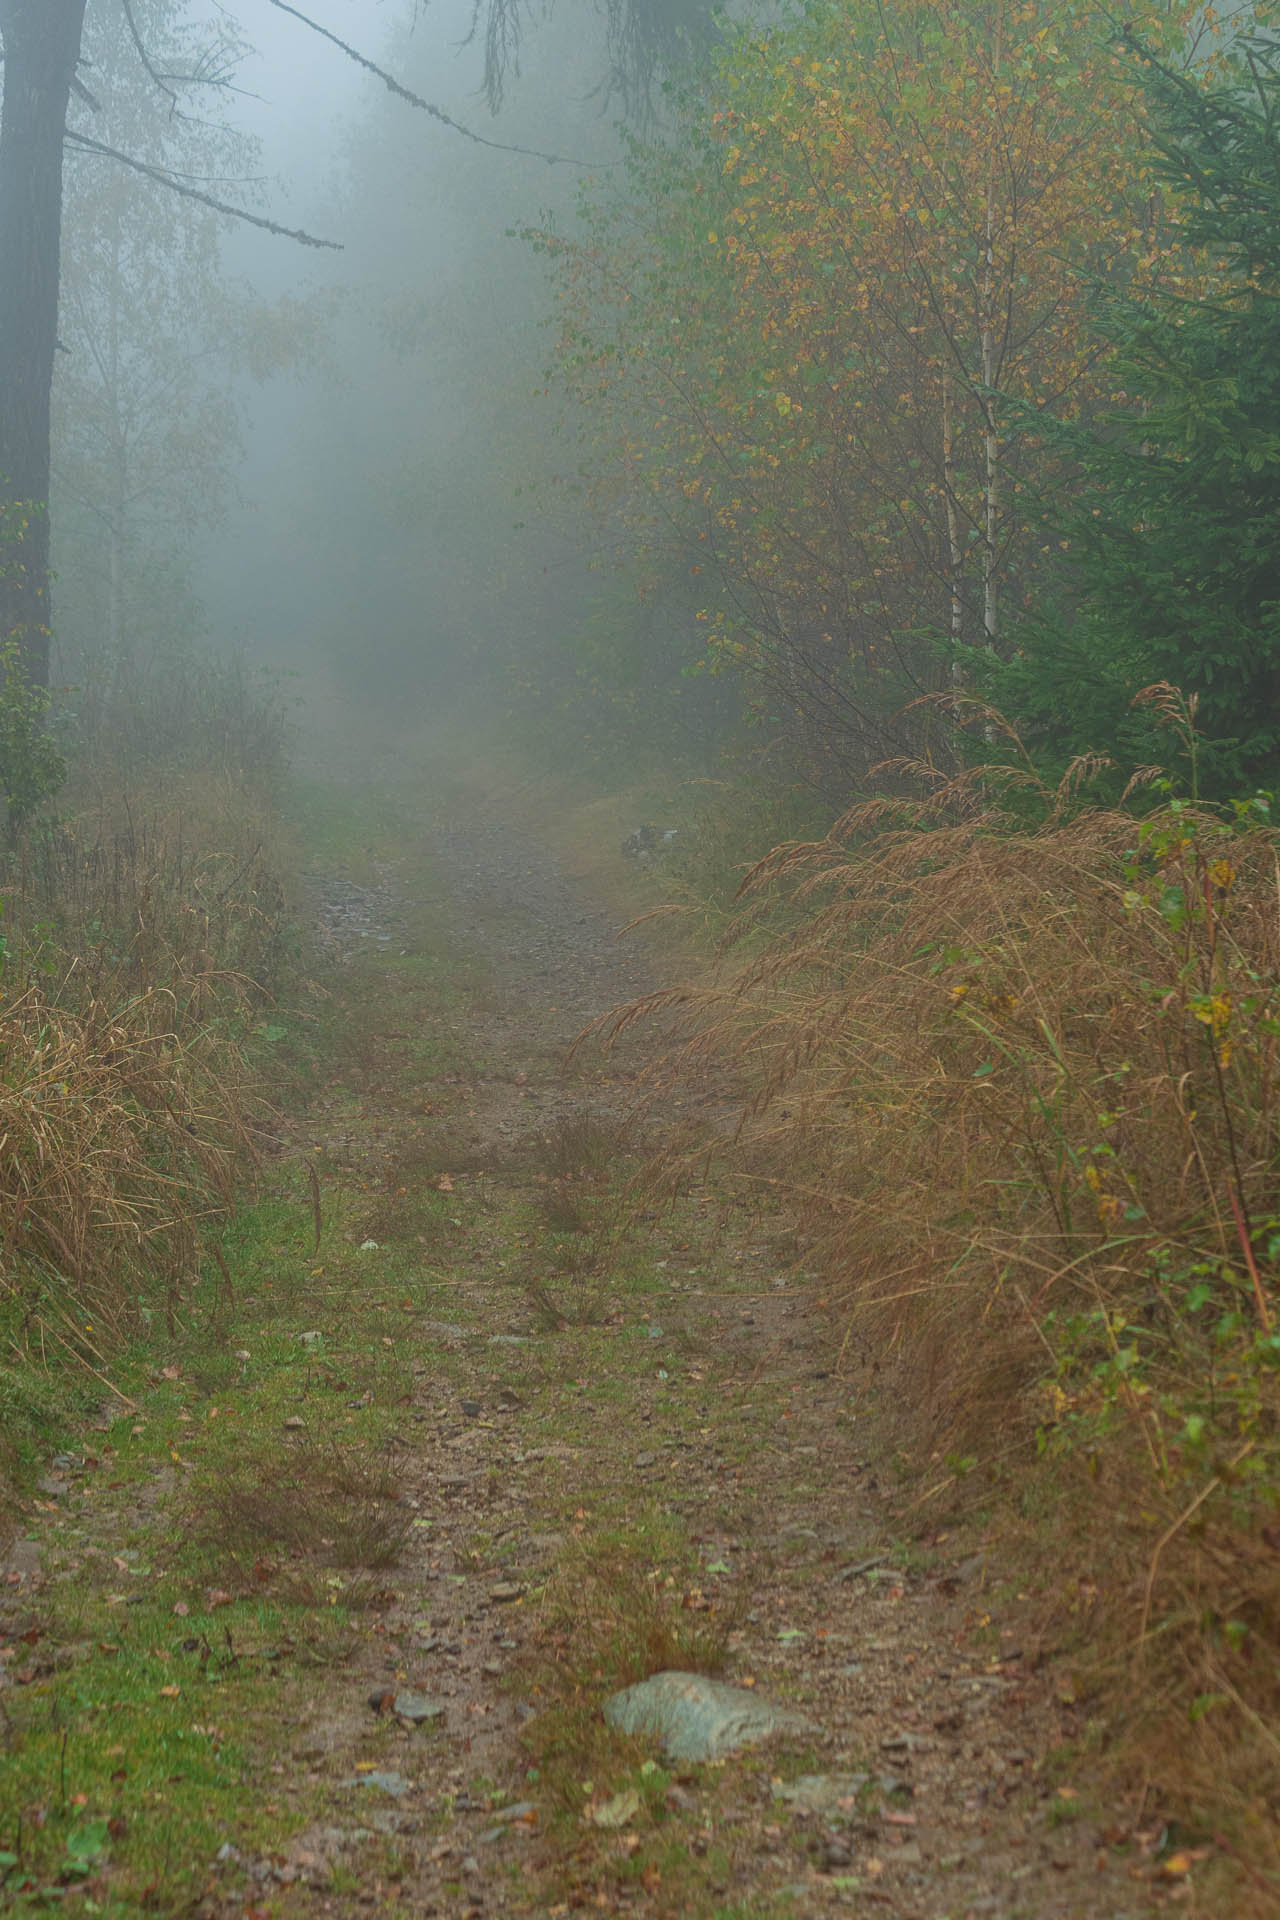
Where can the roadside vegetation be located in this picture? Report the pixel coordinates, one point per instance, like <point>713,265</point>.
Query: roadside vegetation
<point>1015,1087</point>
<point>939,350</point>
<point>923,372</point>
<point>145,937</point>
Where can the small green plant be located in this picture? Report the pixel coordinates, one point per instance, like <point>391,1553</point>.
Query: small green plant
<point>32,766</point>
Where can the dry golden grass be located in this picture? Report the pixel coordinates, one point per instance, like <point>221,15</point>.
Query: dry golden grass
<point>133,962</point>
<point>1018,1087</point>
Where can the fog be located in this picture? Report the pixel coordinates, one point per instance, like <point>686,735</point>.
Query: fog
<point>336,453</point>
<point>397,507</point>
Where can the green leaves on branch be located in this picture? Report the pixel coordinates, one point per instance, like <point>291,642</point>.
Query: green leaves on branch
<point>32,767</point>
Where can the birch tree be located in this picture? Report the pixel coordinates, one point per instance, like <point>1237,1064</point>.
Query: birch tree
<point>830,320</point>
<point>145,426</point>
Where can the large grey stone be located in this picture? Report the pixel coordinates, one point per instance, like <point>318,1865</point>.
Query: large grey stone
<point>696,1718</point>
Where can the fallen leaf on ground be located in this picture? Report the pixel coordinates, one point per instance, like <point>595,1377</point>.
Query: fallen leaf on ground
<point>616,1812</point>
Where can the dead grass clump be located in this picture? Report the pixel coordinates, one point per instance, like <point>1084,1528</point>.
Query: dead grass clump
<point>286,1517</point>
<point>581,1219</point>
<point>132,969</point>
<point>567,1275</point>
<point>184,901</point>
<point>583,1144</point>
<point>1018,1088</point>
<point>118,1138</point>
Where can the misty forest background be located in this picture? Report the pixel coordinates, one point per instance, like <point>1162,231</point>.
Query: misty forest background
<point>868,444</point>
<point>852,434</point>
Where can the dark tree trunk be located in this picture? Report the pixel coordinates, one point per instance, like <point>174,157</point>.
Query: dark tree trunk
<point>41,47</point>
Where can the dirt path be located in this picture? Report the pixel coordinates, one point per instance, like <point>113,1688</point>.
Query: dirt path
<point>610,1440</point>
<point>752,1439</point>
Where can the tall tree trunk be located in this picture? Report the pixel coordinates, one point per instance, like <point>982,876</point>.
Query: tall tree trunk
<point>41,47</point>
<point>990,440</point>
<point>955,553</point>
<point>991,450</point>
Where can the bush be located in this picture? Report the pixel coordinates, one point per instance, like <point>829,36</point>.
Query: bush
<point>32,767</point>
<point>132,965</point>
<point>1019,1088</point>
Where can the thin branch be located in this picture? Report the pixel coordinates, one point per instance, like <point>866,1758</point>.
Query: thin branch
<point>392,85</point>
<point>1209,1487</point>
<point>205,199</point>
<point>143,55</point>
<point>206,72</point>
<point>80,90</point>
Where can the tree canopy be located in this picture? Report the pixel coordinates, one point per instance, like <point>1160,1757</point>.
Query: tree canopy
<point>825,325</point>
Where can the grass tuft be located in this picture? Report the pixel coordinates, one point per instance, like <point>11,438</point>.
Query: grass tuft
<point>279,1518</point>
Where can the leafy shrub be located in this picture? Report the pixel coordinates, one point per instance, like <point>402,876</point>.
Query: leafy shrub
<point>32,767</point>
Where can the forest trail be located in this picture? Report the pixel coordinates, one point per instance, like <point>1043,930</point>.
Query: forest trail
<point>606,1440</point>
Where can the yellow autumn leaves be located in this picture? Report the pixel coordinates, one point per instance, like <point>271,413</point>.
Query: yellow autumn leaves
<point>854,290</point>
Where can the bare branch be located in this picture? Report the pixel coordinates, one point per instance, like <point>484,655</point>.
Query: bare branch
<point>205,199</point>
<point>143,55</point>
<point>215,77</point>
<point>392,85</point>
<point>80,90</point>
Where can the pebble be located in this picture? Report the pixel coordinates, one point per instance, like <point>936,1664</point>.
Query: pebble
<point>518,1810</point>
<point>416,1708</point>
<point>824,1793</point>
<point>384,1780</point>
